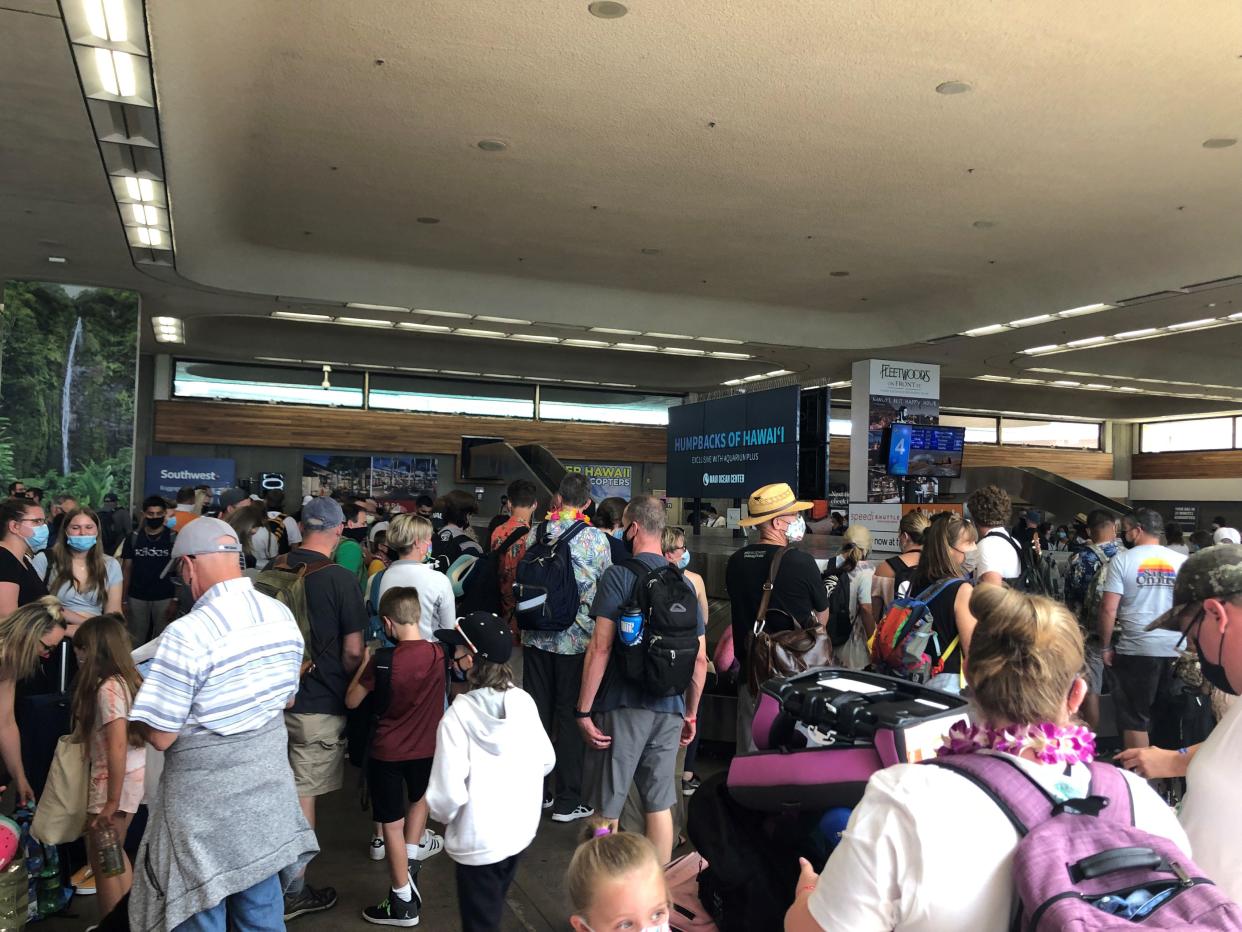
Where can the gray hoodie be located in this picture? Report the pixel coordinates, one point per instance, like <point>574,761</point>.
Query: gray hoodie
<point>487,778</point>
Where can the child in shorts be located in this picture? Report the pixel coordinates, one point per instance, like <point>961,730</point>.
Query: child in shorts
<point>410,685</point>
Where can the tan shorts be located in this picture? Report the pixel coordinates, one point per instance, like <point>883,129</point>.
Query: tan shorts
<point>316,752</point>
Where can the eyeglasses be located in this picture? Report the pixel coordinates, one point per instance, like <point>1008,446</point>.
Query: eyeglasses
<point>37,522</point>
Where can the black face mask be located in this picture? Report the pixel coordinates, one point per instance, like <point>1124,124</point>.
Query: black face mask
<point>1127,543</point>
<point>628,541</point>
<point>154,523</point>
<point>1214,673</point>
<point>356,533</point>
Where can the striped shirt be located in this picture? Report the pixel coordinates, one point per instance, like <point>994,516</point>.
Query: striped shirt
<point>226,667</point>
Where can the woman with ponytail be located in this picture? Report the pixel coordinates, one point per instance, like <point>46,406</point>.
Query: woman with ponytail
<point>892,577</point>
<point>927,848</point>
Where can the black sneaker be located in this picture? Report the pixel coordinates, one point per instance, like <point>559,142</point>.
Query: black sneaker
<point>394,911</point>
<point>310,900</point>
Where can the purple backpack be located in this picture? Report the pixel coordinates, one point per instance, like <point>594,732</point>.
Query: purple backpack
<point>1082,864</point>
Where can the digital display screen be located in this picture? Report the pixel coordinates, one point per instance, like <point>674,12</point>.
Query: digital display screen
<point>915,450</point>
<point>898,449</point>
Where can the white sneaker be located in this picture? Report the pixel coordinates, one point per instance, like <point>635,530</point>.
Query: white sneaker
<point>377,851</point>
<point>431,845</point>
<point>581,812</point>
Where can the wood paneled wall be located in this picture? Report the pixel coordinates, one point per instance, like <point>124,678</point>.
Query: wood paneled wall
<point>1208,464</point>
<point>253,425</point>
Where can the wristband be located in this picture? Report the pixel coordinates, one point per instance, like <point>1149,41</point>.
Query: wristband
<point>578,714</point>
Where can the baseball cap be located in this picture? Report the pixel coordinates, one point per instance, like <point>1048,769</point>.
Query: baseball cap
<point>483,633</point>
<point>1226,535</point>
<point>200,536</point>
<point>322,514</point>
<point>1210,573</point>
<point>231,497</point>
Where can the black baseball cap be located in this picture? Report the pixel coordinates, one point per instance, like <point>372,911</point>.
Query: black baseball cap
<point>482,633</point>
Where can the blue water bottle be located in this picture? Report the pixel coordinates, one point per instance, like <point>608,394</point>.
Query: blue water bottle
<point>631,625</point>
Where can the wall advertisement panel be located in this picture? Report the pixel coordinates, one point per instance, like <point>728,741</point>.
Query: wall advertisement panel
<point>165,475</point>
<point>608,480</point>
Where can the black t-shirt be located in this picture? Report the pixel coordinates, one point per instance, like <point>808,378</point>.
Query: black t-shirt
<point>29,585</point>
<point>798,590</point>
<point>336,610</point>
<point>150,555</point>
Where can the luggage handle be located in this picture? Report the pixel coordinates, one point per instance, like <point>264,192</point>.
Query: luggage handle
<point>1118,859</point>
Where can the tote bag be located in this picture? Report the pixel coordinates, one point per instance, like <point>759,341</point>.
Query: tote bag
<point>61,814</point>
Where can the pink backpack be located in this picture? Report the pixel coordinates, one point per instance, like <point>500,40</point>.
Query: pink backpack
<point>682,878</point>
<point>1083,865</point>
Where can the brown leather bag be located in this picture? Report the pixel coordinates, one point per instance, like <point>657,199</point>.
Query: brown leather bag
<point>783,653</point>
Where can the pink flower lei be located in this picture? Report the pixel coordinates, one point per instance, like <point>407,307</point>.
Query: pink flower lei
<point>1051,744</point>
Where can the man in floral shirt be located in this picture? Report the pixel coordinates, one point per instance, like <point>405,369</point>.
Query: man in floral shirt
<point>552,660</point>
<point>1102,530</point>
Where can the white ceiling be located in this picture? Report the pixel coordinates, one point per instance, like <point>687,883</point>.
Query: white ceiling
<point>758,146</point>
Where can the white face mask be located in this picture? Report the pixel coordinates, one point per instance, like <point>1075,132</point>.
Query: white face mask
<point>971,560</point>
<point>796,530</point>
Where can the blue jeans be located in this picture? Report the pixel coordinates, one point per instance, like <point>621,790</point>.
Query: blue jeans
<point>260,908</point>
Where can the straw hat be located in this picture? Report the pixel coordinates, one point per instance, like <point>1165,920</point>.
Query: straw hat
<point>770,502</point>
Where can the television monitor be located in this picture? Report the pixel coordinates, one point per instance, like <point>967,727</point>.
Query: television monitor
<point>936,452</point>
<point>897,449</point>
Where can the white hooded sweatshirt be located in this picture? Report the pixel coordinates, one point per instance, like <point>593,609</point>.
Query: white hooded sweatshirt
<point>487,777</point>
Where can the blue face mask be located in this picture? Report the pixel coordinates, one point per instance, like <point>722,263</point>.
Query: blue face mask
<point>82,542</point>
<point>38,540</point>
<point>618,533</point>
<point>170,521</point>
<point>684,561</point>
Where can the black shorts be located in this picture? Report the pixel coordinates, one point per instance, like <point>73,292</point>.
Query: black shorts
<point>396,784</point>
<point>1137,683</point>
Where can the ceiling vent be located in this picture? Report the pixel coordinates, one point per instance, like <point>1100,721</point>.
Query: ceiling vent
<point>1214,283</point>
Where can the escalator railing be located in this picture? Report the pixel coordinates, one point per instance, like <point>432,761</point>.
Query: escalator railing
<point>1044,490</point>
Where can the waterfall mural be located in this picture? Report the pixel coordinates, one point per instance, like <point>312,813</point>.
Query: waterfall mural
<point>68,363</point>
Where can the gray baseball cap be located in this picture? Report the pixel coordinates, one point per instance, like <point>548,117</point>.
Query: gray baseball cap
<point>201,536</point>
<point>231,497</point>
<point>322,514</point>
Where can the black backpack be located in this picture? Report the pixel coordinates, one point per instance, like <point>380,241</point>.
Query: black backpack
<point>545,592</point>
<point>361,722</point>
<point>480,583</point>
<point>840,624</point>
<point>1038,574</point>
<point>902,574</point>
<point>662,659</point>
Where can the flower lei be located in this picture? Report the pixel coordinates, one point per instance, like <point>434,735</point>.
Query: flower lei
<point>1051,744</point>
<point>568,514</point>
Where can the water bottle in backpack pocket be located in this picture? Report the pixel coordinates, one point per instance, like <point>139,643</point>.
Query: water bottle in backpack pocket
<point>661,655</point>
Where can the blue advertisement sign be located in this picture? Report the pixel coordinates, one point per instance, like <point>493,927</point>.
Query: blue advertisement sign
<point>728,447</point>
<point>164,475</point>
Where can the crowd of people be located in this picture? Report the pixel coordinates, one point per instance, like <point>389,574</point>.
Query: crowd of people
<point>554,662</point>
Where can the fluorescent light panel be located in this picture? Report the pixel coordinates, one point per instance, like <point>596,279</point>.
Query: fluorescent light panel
<point>991,329</point>
<point>301,315</point>
<point>359,306</point>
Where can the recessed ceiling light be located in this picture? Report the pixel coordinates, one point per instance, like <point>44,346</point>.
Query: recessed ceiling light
<point>57,260</point>
<point>720,340</point>
<point>1086,341</point>
<point>1031,321</point>
<point>534,338</point>
<point>428,328</point>
<point>106,20</point>
<point>1066,383</point>
<point>577,342</point>
<point>456,314</point>
<point>359,306</point>
<point>1220,142</point>
<point>1133,334</point>
<point>498,375</point>
<point>140,189</point>
<point>683,351</point>
<point>985,331</point>
<point>775,372</point>
<point>485,334</point>
<point>617,331</point>
<point>515,321</point>
<point>363,322</point>
<point>638,347</point>
<point>984,224</point>
<point>492,145</point>
<point>300,315</point>
<point>1036,350</point>
<point>1085,309</point>
<point>1192,324</point>
<point>667,336</point>
<point>427,219</point>
<point>607,9</point>
<point>722,355</point>
<point>168,329</point>
<point>953,87</point>
<point>116,73</point>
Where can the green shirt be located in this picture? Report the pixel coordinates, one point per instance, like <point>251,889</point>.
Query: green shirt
<point>349,555</point>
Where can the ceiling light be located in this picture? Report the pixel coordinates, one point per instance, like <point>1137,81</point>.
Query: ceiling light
<point>485,334</point>
<point>429,328</point>
<point>842,384</point>
<point>1086,341</point>
<point>619,384</point>
<point>1219,142</point>
<point>953,87</point>
<point>300,315</point>
<point>618,332</point>
<point>456,372</point>
<point>415,369</point>
<point>496,375</point>
<point>683,351</point>
<point>991,378</point>
<point>1192,324</point>
<point>457,314</point>
<point>722,355</point>
<point>363,322</point>
<point>168,329</point>
<point>57,260</point>
<point>275,359</point>
<point>1135,334</point>
<point>534,338</point>
<point>492,145</point>
<point>1066,383</point>
<point>515,321</point>
<point>576,342</point>
<point>579,382</point>
<point>607,9</point>
<point>638,347</point>
<point>984,331</point>
<point>371,365</point>
<point>667,336</point>
<point>720,340</point>
<point>1085,309</point>
<point>144,214</point>
<point>106,20</point>
<point>776,372</point>
<point>116,72</point>
<point>732,382</point>
<point>359,306</point>
<point>1096,385</point>
<point>149,236</point>
<point>1037,350</point>
<point>1234,317</point>
<point>140,189</point>
<point>1031,321</point>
